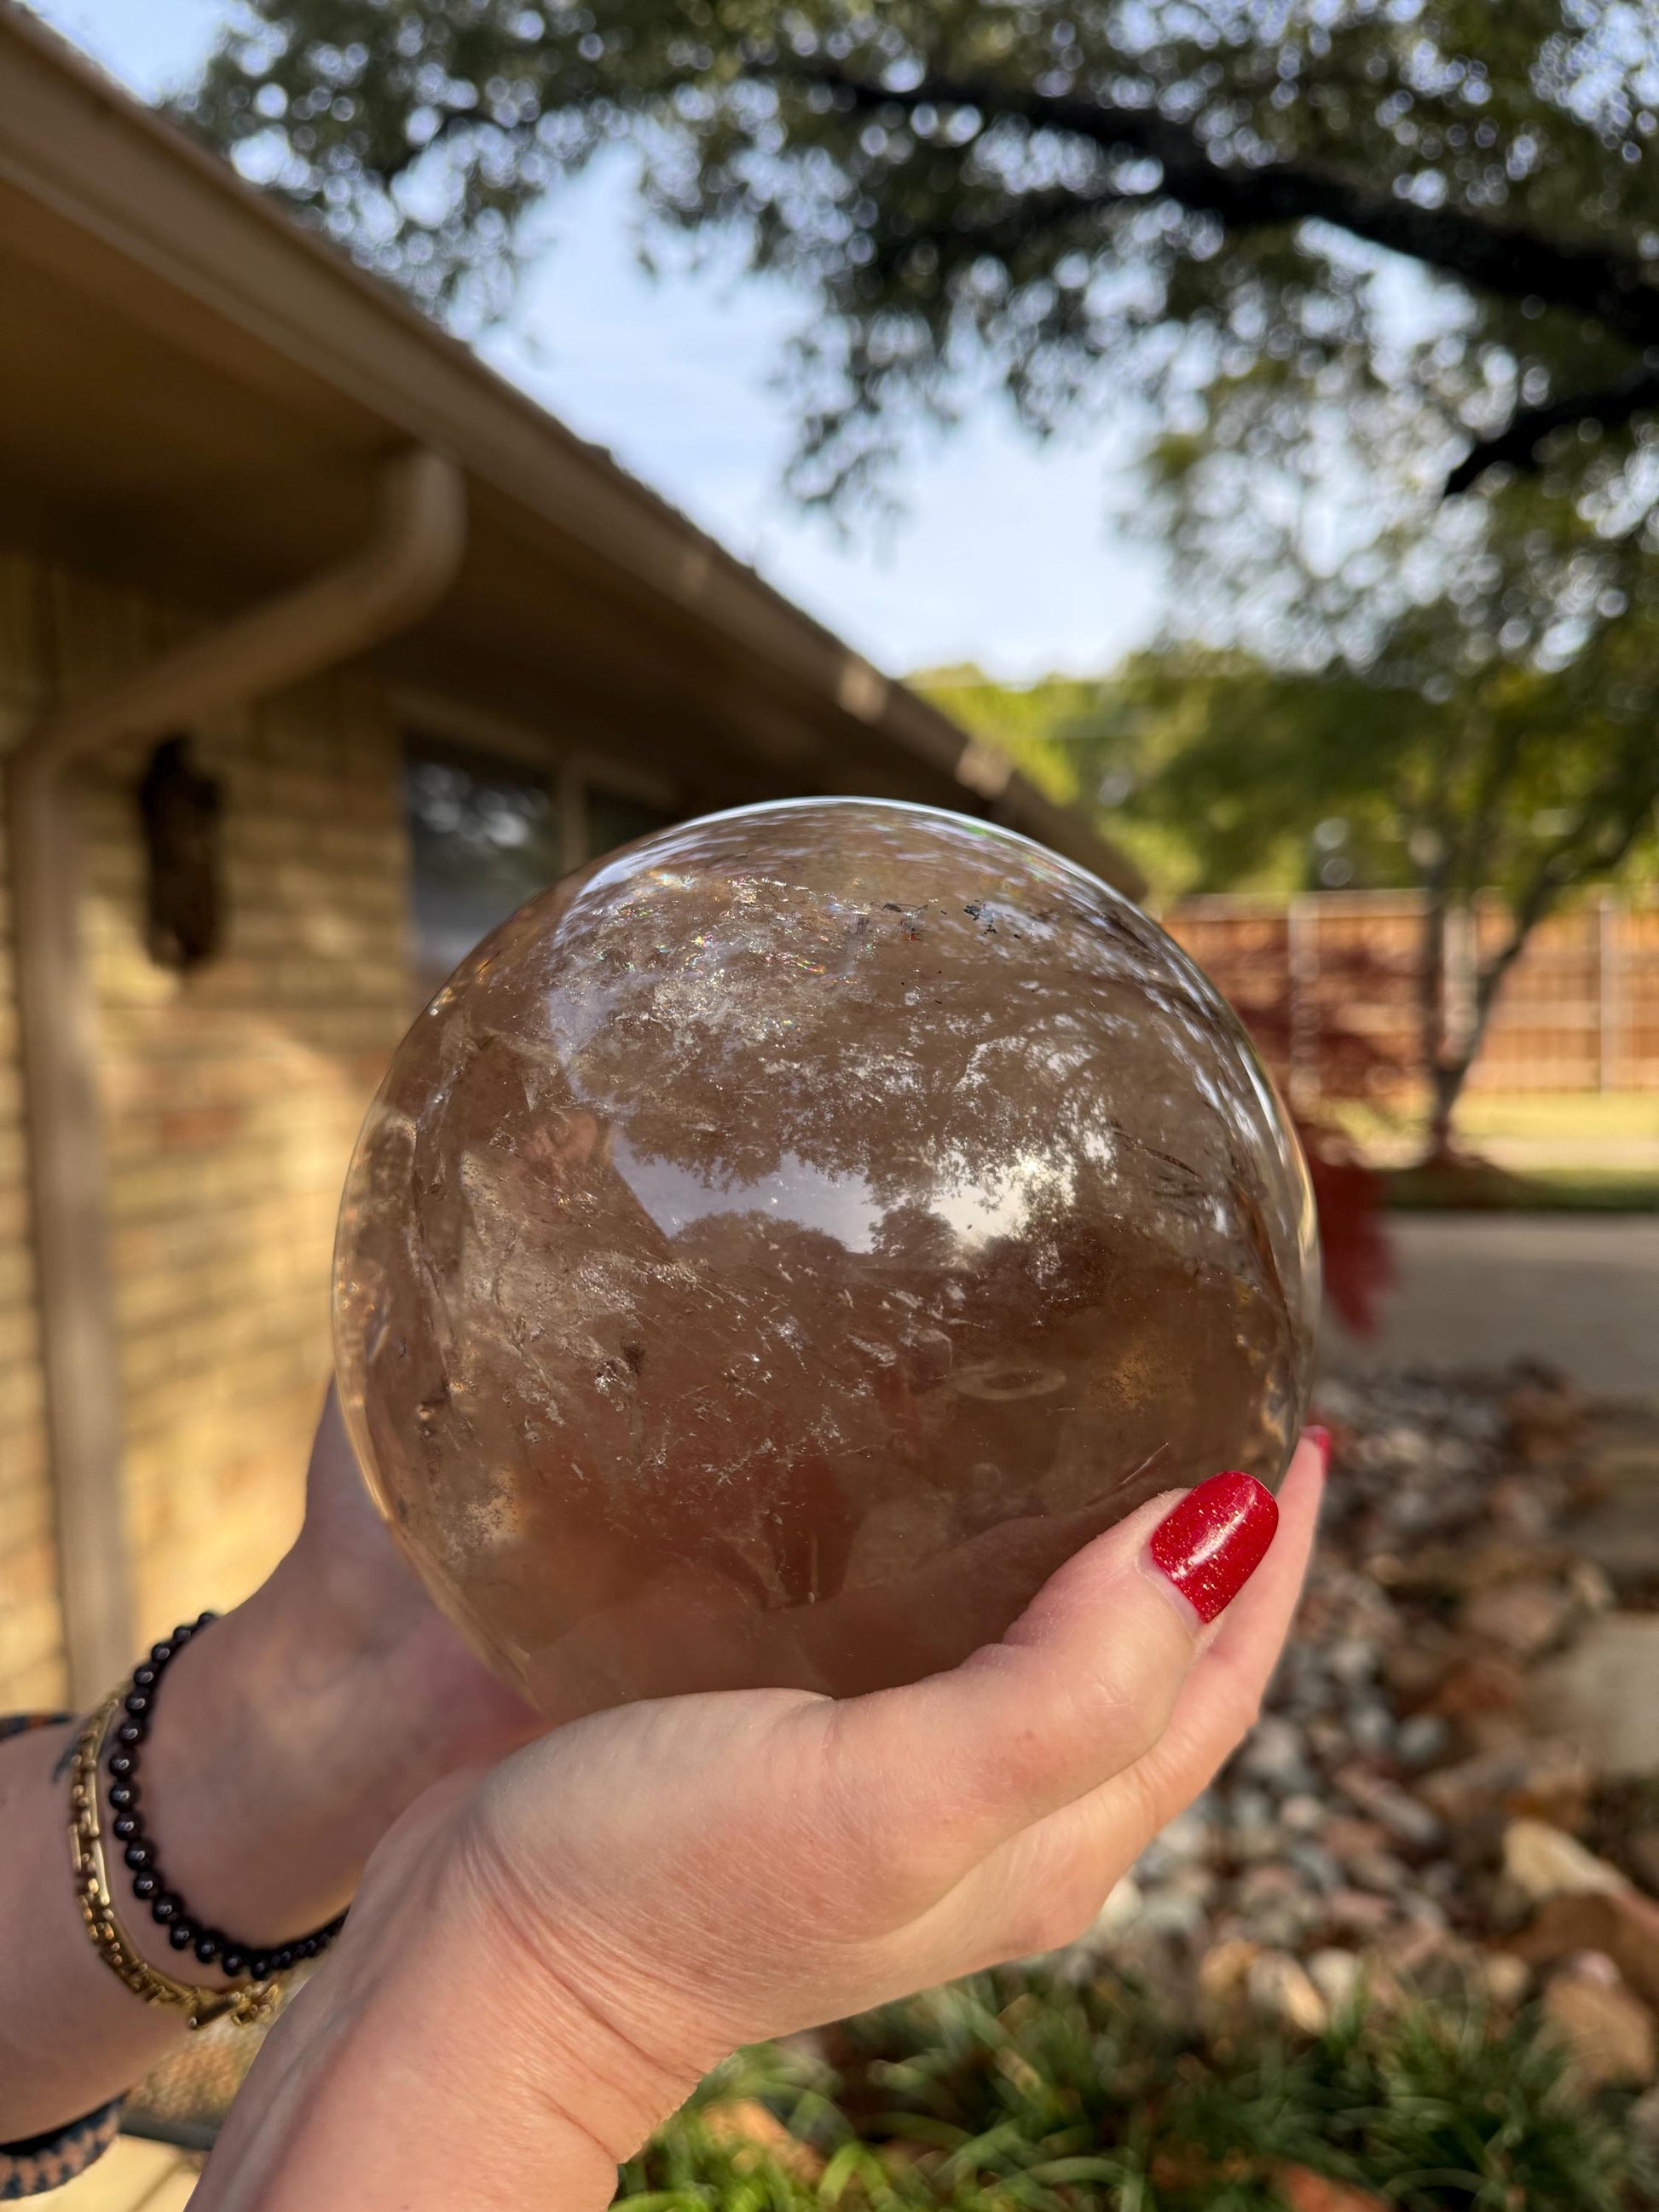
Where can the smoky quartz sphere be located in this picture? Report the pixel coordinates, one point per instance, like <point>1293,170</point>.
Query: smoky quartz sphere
<point>778,1248</point>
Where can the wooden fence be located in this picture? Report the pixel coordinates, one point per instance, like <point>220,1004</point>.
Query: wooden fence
<point>1328,984</point>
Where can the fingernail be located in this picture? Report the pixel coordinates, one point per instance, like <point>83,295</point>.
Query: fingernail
<point>1214,1541</point>
<point>1321,1436</point>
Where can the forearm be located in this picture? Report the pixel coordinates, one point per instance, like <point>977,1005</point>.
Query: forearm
<point>71,2035</point>
<point>256,1723</point>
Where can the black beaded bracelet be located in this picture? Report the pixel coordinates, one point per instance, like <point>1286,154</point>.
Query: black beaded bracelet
<point>167,1908</point>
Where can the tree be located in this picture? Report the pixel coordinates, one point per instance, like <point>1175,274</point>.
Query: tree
<point>1380,272</point>
<point>1051,186</point>
<point>1514,780</point>
<point>1221,770</point>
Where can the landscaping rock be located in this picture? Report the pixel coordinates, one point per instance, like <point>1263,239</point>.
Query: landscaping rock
<point>1423,1739</point>
<point>1338,1976</point>
<point>1411,1948</point>
<point>1504,1978</point>
<point>743,2124</point>
<point>1223,1971</point>
<point>1542,1417</point>
<point>1608,2033</point>
<point>1347,1838</point>
<point>1604,1693</point>
<point>1403,1815</point>
<point>1623,1927</point>
<point>1176,1913</point>
<point>1305,2191</point>
<point>1280,1987</point>
<point>1483,1684</point>
<point>1432,1745</point>
<point>1276,1755</point>
<point>1548,1776</point>
<point>1523,1617</point>
<point>1357,1912</point>
<point>1125,1903</point>
<point>1543,1862</point>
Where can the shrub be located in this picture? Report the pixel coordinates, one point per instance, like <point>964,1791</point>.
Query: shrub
<point>1021,2093</point>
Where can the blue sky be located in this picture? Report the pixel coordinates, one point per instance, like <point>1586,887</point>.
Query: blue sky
<point>1004,554</point>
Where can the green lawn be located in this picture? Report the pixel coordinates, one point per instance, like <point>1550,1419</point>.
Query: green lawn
<point>1580,1116</point>
<point>1571,1151</point>
<point>1541,1190</point>
<point>1577,1123</point>
<point>1545,1150</point>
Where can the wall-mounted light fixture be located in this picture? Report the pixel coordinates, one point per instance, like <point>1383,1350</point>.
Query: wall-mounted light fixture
<point>182,811</point>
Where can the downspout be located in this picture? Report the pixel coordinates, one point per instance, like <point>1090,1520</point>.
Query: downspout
<point>402,568</point>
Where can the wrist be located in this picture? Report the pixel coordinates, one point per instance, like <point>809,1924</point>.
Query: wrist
<point>250,1730</point>
<point>438,2061</point>
<point>527,1983</point>
<point>291,1737</point>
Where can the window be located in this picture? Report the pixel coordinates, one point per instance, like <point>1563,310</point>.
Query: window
<point>485,834</point>
<point>483,837</point>
<point>614,818</point>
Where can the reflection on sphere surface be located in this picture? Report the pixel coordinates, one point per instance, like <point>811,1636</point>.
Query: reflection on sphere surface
<point>777,1248</point>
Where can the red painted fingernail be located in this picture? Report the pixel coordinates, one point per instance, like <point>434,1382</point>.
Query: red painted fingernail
<point>1215,1539</point>
<point>1321,1437</point>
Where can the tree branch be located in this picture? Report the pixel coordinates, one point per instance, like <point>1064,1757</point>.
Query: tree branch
<point>1518,442</point>
<point>1015,221</point>
<point>1502,759</point>
<point>1554,876</point>
<point>1506,259</point>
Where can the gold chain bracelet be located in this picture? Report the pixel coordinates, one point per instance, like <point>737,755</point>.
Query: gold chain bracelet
<point>249,2004</point>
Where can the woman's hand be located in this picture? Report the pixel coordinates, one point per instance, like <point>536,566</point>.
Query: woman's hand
<point>286,1741</point>
<point>541,1964</point>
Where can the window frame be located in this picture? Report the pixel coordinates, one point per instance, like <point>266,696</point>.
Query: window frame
<point>571,769</point>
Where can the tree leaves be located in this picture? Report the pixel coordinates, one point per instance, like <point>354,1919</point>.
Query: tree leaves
<point>1037,190</point>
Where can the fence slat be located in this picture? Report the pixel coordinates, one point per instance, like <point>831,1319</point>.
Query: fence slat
<point>1326,982</point>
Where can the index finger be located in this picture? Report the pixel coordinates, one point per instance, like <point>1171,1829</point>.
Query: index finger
<point>1222,1696</point>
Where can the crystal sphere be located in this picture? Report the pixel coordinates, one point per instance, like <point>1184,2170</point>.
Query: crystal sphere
<point>780,1246</point>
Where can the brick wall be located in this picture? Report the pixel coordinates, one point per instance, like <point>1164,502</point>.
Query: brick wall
<point>231,1098</point>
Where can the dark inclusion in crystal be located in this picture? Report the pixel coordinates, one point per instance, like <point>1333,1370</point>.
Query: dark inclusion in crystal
<point>779,1247</point>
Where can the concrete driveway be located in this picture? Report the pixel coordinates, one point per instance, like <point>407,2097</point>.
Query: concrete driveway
<point>1580,1291</point>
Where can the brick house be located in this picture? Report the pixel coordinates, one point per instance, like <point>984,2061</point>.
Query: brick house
<point>320,646</point>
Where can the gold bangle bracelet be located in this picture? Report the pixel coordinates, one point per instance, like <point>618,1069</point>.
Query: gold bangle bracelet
<point>248,2004</point>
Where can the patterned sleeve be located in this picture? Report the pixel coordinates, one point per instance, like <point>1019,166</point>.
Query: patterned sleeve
<point>43,2162</point>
